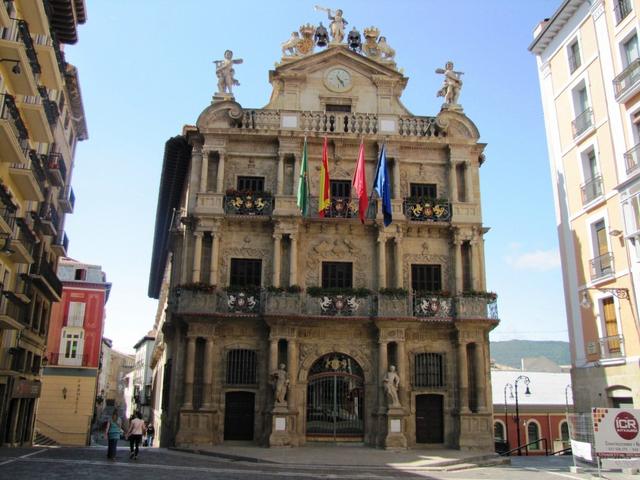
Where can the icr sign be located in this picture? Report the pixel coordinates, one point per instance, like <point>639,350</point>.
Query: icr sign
<point>615,431</point>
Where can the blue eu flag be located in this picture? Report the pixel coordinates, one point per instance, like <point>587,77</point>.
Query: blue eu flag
<point>381,186</point>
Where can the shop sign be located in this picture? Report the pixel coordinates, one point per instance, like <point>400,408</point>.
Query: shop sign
<point>617,432</point>
<point>26,389</point>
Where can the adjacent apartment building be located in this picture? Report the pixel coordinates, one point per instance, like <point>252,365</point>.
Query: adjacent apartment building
<point>74,348</point>
<point>588,60</point>
<point>41,121</point>
<point>283,327</point>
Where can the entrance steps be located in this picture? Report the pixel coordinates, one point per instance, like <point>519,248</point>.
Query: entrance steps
<point>43,441</point>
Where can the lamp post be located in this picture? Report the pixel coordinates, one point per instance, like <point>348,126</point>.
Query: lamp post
<point>527,392</point>
<point>566,399</point>
<point>506,422</point>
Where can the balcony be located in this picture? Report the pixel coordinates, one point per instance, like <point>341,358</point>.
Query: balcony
<point>57,169</point>
<point>627,84</point>
<point>21,79</point>
<point>13,311</point>
<point>476,306</point>
<point>602,266</point>
<point>339,207</point>
<point>427,210</point>
<point>14,143</point>
<point>51,76</point>
<point>5,19</point>
<point>50,108</point>
<point>61,245</point>
<point>340,305</point>
<point>432,306</point>
<point>67,199</point>
<point>59,359</point>
<point>612,347</point>
<point>25,35</point>
<point>631,159</point>
<point>248,203</point>
<point>49,219</point>
<point>582,123</point>
<point>35,119</point>
<point>29,178</point>
<point>33,11</point>
<point>23,242</point>
<point>43,275</point>
<point>7,220</point>
<point>621,10</point>
<point>591,190</point>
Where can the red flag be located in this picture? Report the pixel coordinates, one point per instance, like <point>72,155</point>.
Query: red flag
<point>324,199</point>
<point>360,184</point>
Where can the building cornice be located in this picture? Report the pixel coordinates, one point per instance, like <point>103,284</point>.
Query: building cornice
<point>553,25</point>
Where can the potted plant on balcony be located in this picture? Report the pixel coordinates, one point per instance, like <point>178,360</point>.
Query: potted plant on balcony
<point>282,300</point>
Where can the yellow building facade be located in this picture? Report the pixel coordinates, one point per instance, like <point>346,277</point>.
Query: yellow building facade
<point>589,69</point>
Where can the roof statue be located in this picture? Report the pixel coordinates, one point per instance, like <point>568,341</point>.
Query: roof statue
<point>303,41</point>
<point>225,74</point>
<point>451,87</point>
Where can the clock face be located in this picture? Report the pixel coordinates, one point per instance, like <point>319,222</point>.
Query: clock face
<point>338,80</point>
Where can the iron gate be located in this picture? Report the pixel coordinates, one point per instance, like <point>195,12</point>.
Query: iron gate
<point>335,398</point>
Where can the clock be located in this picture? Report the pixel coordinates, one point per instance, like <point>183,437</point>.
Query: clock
<point>338,80</point>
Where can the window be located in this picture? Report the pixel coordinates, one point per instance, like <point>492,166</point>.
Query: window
<point>634,209</point>
<point>574,56</point>
<point>429,370</point>
<point>340,205</point>
<point>76,314</point>
<point>424,190</point>
<point>426,278</point>
<point>533,435</point>
<point>338,108</point>
<point>251,184</point>
<point>611,325</point>
<point>241,367</point>
<point>602,264</point>
<point>592,187</point>
<point>71,346</point>
<point>630,50</point>
<point>621,8</point>
<point>245,272</point>
<point>582,109</point>
<point>340,188</point>
<point>81,274</point>
<point>498,432</point>
<point>465,257</point>
<point>337,274</point>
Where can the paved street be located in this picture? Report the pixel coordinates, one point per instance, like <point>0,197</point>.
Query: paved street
<point>159,464</point>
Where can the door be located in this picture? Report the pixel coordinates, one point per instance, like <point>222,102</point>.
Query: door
<point>429,419</point>
<point>335,398</point>
<point>239,415</point>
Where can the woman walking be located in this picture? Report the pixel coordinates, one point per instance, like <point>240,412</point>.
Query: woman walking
<point>134,433</point>
<point>112,433</point>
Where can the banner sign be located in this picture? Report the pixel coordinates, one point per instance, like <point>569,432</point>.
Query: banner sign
<point>26,389</point>
<point>616,431</point>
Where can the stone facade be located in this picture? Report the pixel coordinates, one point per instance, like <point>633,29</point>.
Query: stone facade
<point>223,340</point>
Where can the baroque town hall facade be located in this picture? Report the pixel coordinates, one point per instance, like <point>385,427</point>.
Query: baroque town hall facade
<point>281,328</point>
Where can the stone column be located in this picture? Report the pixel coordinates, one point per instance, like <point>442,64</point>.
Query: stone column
<point>296,172</point>
<point>382,370</point>
<point>453,181</point>
<point>396,178</point>
<point>399,264</point>
<point>273,354</point>
<point>481,377</point>
<point>187,403</point>
<point>196,161</point>
<point>457,245</point>
<point>382,261</point>
<point>280,179</point>
<point>463,377</point>
<point>293,263</point>
<point>220,183</point>
<point>197,257</point>
<point>204,172</point>
<point>208,373</point>
<point>468,171</point>
<point>475,265</point>
<point>481,272</point>
<point>403,374</point>
<point>213,268</point>
<point>277,249</point>
<point>292,370</point>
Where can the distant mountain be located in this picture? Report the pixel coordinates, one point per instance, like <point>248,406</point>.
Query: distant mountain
<point>512,351</point>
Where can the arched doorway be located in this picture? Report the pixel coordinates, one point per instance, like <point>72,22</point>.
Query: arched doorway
<point>335,398</point>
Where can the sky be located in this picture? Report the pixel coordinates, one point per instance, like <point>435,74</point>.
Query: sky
<point>146,69</point>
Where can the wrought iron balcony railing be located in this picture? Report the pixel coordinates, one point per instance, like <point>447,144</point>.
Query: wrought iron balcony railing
<point>427,210</point>
<point>339,207</point>
<point>37,168</point>
<point>248,203</point>
<point>582,122</point>
<point>632,159</point>
<point>432,305</point>
<point>627,79</point>
<point>67,199</point>
<point>25,35</point>
<point>24,235</point>
<point>62,240</point>
<point>49,214</point>
<point>56,165</point>
<point>612,346</point>
<point>42,268</point>
<point>50,107</point>
<point>622,9</point>
<point>591,189</point>
<point>8,215</point>
<point>602,266</point>
<point>574,62</point>
<point>10,112</point>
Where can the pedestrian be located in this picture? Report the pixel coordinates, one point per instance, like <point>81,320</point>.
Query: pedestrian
<point>134,433</point>
<point>150,432</point>
<point>112,433</point>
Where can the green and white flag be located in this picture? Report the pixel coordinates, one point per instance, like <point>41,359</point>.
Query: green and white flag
<point>303,183</point>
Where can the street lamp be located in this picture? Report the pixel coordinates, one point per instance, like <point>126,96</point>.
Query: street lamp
<point>586,303</point>
<point>527,392</point>
<point>566,398</point>
<point>506,422</point>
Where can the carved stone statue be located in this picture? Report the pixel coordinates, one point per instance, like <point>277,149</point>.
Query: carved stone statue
<point>452,85</point>
<point>337,24</point>
<point>370,47</point>
<point>280,381</point>
<point>225,72</point>
<point>321,36</point>
<point>391,382</point>
<point>386,52</point>
<point>354,40</point>
<point>290,46</point>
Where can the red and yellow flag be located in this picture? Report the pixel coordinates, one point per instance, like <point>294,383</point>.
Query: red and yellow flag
<point>324,195</point>
<point>360,184</point>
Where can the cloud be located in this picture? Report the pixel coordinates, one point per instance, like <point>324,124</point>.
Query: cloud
<point>538,260</point>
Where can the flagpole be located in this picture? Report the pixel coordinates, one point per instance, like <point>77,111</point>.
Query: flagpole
<point>375,178</point>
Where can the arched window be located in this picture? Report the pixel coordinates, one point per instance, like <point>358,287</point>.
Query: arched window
<point>498,432</point>
<point>533,435</point>
<point>564,432</point>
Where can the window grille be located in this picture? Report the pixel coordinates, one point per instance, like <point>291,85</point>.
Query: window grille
<point>340,188</point>
<point>424,190</point>
<point>241,367</point>
<point>245,272</point>
<point>251,184</point>
<point>426,278</point>
<point>337,275</point>
<point>429,370</point>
